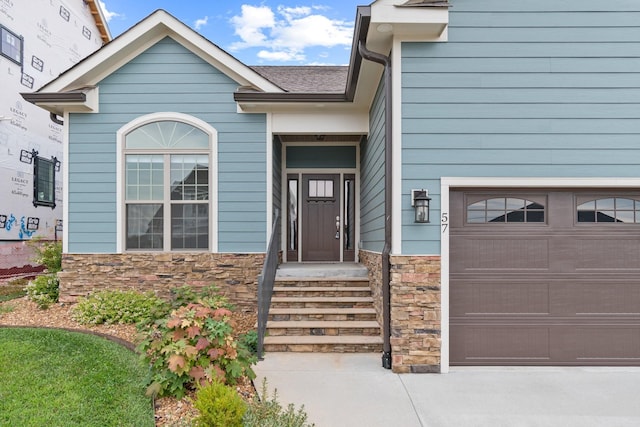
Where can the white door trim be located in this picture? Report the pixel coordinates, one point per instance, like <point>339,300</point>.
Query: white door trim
<point>447,183</point>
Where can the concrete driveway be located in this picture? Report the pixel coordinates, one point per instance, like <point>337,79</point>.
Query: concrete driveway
<point>353,390</point>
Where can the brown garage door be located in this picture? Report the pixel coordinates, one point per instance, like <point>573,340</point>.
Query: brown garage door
<point>545,278</point>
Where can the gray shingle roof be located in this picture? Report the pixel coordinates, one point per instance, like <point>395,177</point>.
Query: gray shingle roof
<point>306,79</point>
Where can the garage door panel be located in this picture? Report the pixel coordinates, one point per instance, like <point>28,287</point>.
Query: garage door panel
<point>595,344</point>
<point>619,253</point>
<point>508,344</point>
<point>501,254</point>
<point>495,344</point>
<point>560,293</point>
<point>605,298</point>
<point>491,298</point>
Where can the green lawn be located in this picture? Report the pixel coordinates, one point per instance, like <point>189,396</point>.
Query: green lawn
<point>58,378</point>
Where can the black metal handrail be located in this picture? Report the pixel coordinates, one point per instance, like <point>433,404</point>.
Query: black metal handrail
<point>266,280</point>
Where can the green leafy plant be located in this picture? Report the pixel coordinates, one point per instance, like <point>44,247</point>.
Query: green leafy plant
<point>268,412</point>
<point>209,296</point>
<point>48,254</point>
<point>114,306</point>
<point>250,340</point>
<point>193,346</point>
<point>43,290</point>
<point>219,406</point>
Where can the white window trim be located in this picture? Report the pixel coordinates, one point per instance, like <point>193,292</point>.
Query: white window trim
<point>213,172</point>
<point>447,183</point>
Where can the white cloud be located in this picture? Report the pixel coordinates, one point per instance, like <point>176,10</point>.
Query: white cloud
<point>281,55</point>
<point>286,32</point>
<point>108,15</point>
<point>201,22</point>
<point>250,24</point>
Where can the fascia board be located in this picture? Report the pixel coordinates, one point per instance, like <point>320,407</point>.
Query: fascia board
<point>143,35</point>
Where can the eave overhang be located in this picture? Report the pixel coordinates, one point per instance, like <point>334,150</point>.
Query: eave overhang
<point>101,22</point>
<point>84,100</point>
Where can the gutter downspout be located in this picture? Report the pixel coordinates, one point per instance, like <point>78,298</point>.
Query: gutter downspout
<point>386,263</point>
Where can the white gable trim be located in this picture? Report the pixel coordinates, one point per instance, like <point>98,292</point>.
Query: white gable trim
<point>143,35</point>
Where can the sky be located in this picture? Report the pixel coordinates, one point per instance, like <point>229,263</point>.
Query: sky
<point>257,32</point>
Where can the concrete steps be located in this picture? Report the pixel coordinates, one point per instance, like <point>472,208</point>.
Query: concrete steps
<point>322,313</point>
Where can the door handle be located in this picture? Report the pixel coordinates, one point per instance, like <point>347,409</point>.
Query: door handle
<point>337,227</point>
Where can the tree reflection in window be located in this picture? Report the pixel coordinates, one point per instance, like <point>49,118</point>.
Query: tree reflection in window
<point>505,210</point>
<point>611,209</point>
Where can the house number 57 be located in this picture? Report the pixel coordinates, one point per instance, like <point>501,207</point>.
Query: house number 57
<point>444,221</point>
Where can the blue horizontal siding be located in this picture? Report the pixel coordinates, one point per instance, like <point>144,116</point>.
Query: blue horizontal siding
<point>543,88</point>
<point>546,6</point>
<point>167,77</point>
<point>372,185</point>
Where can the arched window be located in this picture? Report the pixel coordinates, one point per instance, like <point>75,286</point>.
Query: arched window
<point>505,209</point>
<point>610,209</point>
<point>167,186</point>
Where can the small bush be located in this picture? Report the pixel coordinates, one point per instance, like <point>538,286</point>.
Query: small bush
<point>48,254</point>
<point>112,306</point>
<point>193,346</point>
<point>219,406</point>
<point>209,296</point>
<point>250,340</point>
<point>43,290</point>
<point>268,412</point>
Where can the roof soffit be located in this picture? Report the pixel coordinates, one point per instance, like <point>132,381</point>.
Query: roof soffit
<point>140,37</point>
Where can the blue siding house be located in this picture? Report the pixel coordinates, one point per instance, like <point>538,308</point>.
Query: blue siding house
<point>478,157</point>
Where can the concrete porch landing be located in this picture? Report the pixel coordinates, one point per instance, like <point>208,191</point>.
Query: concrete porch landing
<point>321,270</point>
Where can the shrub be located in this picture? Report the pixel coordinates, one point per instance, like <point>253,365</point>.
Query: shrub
<point>112,306</point>
<point>209,296</point>
<point>193,346</point>
<point>43,290</point>
<point>250,340</point>
<point>219,406</point>
<point>268,412</point>
<point>48,254</point>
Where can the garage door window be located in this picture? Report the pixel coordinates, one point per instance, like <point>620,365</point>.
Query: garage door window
<point>611,210</point>
<point>505,210</point>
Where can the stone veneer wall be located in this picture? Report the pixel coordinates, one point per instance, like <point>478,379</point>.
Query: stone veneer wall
<point>235,274</point>
<point>415,309</point>
<point>415,314</point>
<point>373,262</point>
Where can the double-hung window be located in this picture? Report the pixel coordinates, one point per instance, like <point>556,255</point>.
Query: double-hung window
<point>167,187</point>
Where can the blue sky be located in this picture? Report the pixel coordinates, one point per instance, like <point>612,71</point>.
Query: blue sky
<point>261,32</point>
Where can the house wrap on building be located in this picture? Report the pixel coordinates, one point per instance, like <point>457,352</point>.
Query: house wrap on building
<point>478,157</point>
<point>40,40</point>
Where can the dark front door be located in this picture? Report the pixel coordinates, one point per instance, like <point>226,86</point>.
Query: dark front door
<point>321,217</point>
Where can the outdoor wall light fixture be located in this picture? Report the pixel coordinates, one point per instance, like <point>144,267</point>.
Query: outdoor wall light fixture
<point>420,201</point>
